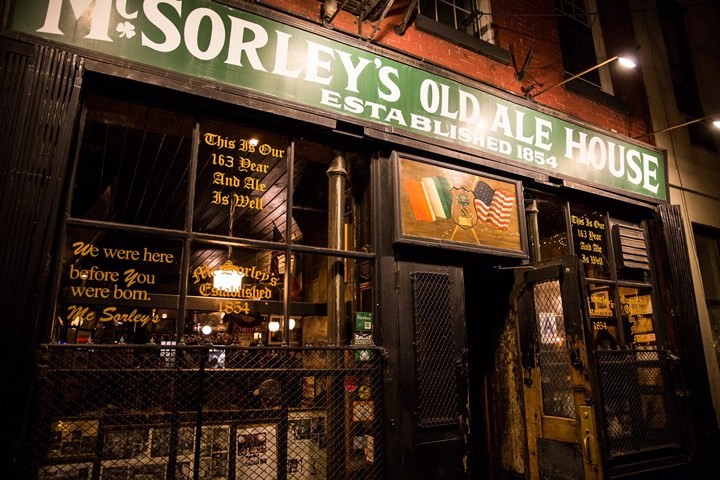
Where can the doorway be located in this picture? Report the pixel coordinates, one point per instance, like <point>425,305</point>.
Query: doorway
<point>451,315</point>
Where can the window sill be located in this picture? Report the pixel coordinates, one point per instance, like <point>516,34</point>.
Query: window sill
<point>428,25</point>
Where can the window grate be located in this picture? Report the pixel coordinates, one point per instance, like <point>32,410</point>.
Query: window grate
<point>641,411</point>
<point>435,349</point>
<point>554,358</point>
<point>207,412</point>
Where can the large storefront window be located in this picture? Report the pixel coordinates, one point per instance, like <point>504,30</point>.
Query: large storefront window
<point>614,256</point>
<point>251,263</point>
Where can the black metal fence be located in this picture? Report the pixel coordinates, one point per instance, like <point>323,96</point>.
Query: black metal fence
<point>641,409</point>
<point>206,412</point>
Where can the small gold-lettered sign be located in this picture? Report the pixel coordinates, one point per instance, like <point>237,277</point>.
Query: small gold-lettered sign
<point>457,207</point>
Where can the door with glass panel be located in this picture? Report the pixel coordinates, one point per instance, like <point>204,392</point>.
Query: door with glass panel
<point>560,418</point>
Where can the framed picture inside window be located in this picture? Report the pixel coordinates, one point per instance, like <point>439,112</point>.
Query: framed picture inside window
<point>74,471</point>
<point>256,453</point>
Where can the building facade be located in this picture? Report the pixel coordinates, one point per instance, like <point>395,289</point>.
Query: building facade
<point>680,92</point>
<point>345,239</point>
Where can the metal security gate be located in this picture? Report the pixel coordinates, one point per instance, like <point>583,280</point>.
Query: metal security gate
<point>435,347</point>
<point>640,407</point>
<point>39,92</point>
<point>206,412</point>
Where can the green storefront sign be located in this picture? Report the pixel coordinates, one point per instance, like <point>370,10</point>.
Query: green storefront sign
<point>213,41</point>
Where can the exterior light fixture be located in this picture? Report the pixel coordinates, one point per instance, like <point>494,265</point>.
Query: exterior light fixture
<point>627,62</point>
<point>627,59</point>
<point>227,277</point>
<point>715,123</point>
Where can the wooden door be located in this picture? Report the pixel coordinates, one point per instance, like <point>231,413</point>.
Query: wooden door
<point>559,412</point>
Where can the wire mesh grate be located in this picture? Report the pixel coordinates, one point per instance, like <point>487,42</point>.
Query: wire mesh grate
<point>435,349</point>
<point>553,356</point>
<point>641,411</point>
<point>116,412</point>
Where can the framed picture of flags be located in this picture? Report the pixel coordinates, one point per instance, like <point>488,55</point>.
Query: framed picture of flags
<point>458,208</point>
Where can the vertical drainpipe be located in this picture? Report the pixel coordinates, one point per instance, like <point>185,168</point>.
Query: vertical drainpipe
<point>533,230</point>
<point>337,175</point>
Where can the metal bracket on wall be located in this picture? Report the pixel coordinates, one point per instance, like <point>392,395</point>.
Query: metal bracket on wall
<point>371,10</point>
<point>402,27</point>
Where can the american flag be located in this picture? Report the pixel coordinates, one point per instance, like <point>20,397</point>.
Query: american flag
<point>493,206</point>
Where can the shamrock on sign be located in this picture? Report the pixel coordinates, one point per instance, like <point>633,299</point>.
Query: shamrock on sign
<point>126,29</point>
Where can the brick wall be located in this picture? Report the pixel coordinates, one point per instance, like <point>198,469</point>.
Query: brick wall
<point>520,25</point>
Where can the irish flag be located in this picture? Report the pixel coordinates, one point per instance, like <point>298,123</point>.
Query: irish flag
<point>430,198</point>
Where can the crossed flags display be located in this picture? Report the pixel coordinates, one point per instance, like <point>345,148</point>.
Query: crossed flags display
<point>430,199</point>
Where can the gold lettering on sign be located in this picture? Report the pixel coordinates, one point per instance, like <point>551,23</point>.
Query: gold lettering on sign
<point>79,314</point>
<point>590,236</point>
<point>246,165</point>
<point>204,272</point>
<point>636,304</point>
<point>245,145</point>
<point>601,305</point>
<point>254,184</point>
<point>261,290</point>
<point>266,149</point>
<point>220,178</point>
<point>157,257</point>
<point>82,249</point>
<point>641,324</point>
<point>237,177</point>
<point>109,315</point>
<point>222,160</point>
<point>232,306</point>
<point>245,201</point>
<point>215,140</point>
<point>249,292</point>
<point>102,283</point>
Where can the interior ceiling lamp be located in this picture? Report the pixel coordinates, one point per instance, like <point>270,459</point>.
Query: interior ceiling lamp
<point>227,277</point>
<point>627,59</point>
<point>715,123</point>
